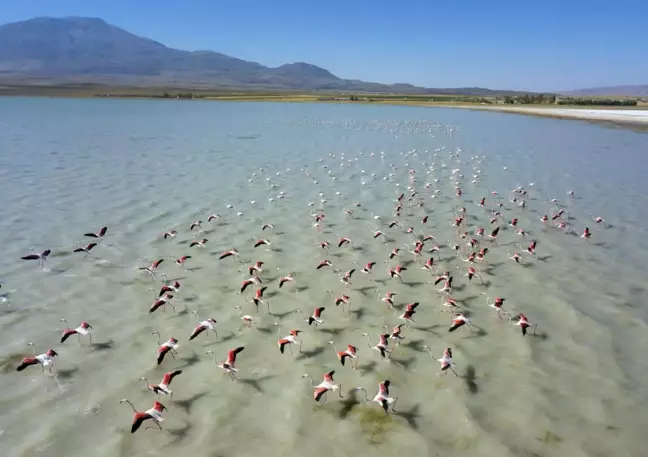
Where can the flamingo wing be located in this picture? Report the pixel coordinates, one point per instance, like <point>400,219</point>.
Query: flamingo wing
<point>319,392</point>
<point>27,361</point>
<point>197,331</point>
<point>67,333</point>
<point>329,376</point>
<point>138,420</point>
<point>383,387</point>
<point>161,353</point>
<point>231,355</point>
<point>168,377</point>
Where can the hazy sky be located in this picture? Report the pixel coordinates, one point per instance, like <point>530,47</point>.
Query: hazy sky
<point>500,44</point>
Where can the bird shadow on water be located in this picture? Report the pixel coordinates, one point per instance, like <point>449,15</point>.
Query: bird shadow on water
<point>410,416</point>
<point>179,434</point>
<point>415,345</point>
<point>469,378</point>
<point>308,353</point>
<point>368,367</point>
<point>358,313</point>
<point>106,345</point>
<point>187,404</point>
<point>255,383</point>
<point>65,373</point>
<point>405,363</point>
<point>478,332</point>
<point>348,403</point>
<point>332,331</point>
<point>190,361</point>
<point>365,290</point>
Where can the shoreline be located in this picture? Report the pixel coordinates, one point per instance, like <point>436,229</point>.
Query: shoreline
<point>635,117</point>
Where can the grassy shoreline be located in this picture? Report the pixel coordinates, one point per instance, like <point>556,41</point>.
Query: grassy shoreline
<point>427,100</point>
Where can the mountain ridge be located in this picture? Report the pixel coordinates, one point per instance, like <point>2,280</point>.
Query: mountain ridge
<point>640,90</point>
<point>77,49</point>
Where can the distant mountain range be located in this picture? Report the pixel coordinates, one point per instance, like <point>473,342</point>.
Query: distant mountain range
<point>88,50</point>
<point>611,91</point>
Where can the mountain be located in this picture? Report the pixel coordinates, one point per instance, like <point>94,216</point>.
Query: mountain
<point>611,91</point>
<point>89,50</point>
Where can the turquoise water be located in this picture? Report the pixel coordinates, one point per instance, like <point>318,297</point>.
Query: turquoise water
<point>141,168</point>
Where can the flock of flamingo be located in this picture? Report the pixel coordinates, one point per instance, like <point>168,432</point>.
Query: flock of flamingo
<point>468,244</point>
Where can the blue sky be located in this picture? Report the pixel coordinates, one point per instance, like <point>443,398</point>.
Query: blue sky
<point>500,44</point>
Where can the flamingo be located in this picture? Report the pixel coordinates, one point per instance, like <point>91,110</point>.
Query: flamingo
<point>169,346</point>
<point>351,352</point>
<point>209,324</point>
<point>229,364</point>
<point>445,360</point>
<point>163,387</point>
<point>382,397</point>
<point>292,338</point>
<point>381,346</point>
<point>83,329</point>
<point>154,414</point>
<point>45,360</point>
<point>322,388</point>
<point>41,257</point>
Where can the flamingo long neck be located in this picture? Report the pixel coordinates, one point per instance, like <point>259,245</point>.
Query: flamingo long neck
<point>131,405</point>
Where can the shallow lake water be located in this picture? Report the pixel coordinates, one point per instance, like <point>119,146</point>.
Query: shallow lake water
<point>141,168</point>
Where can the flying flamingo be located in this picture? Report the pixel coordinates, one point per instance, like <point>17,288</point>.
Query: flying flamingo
<point>258,299</point>
<point>322,388</point>
<point>524,324</point>
<point>249,320</point>
<point>459,320</point>
<point>382,397</point>
<point>181,261</point>
<point>174,288</point>
<point>229,364</point>
<point>382,346</point>
<point>351,352</point>
<point>45,360</point>
<point>396,333</point>
<point>408,315</point>
<point>169,346</point>
<point>99,235</point>
<point>87,248</point>
<point>285,279</point>
<point>162,301</point>
<point>170,234</point>
<point>498,306</point>
<point>231,253</point>
<point>445,360</point>
<point>201,244</point>
<point>41,257</point>
<point>209,324</point>
<point>257,268</point>
<point>163,387</point>
<point>154,414</point>
<point>343,300</point>
<point>83,329</point>
<point>316,318</point>
<point>389,299</point>
<point>292,338</point>
<point>248,282</point>
<point>152,269</point>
